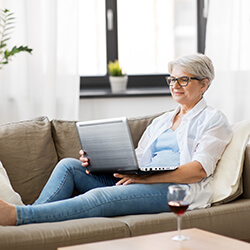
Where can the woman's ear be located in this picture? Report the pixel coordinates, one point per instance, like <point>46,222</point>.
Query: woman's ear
<point>205,85</point>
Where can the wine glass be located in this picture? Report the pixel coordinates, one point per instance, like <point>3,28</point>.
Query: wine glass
<point>178,202</point>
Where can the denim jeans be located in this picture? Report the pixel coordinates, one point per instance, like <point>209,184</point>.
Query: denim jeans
<point>99,197</point>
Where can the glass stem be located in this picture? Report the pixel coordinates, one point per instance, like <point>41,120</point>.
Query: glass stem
<point>179,225</point>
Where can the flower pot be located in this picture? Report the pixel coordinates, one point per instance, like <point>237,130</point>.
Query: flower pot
<point>118,83</point>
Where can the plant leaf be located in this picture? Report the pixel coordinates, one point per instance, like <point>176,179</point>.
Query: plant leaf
<point>7,39</point>
<point>6,25</point>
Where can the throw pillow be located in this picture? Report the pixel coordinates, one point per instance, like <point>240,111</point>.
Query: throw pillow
<point>7,193</point>
<point>227,183</point>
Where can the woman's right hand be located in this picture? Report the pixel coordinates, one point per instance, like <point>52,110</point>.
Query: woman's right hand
<point>84,160</point>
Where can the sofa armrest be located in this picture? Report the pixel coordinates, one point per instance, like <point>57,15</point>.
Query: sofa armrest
<point>246,174</point>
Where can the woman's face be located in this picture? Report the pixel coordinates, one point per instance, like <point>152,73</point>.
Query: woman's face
<point>189,95</point>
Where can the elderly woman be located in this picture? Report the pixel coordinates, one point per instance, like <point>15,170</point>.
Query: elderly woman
<point>193,136</point>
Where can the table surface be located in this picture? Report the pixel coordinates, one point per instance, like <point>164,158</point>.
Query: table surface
<point>199,239</point>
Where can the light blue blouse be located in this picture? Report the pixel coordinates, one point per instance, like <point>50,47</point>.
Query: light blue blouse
<point>165,150</point>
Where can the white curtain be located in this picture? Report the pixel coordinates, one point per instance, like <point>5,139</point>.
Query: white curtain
<point>228,45</point>
<point>46,82</point>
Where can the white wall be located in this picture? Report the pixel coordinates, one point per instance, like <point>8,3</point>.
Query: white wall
<point>101,108</point>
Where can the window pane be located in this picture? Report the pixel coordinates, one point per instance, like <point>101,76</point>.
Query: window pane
<point>92,37</point>
<point>153,32</point>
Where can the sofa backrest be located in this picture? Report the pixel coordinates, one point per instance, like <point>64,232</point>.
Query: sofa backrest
<point>66,137</point>
<point>28,154</point>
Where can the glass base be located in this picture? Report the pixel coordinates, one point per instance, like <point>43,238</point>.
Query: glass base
<point>180,238</point>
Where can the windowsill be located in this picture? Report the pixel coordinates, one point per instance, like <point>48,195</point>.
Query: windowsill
<point>130,92</point>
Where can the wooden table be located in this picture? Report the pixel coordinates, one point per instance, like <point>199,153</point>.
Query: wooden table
<point>199,240</point>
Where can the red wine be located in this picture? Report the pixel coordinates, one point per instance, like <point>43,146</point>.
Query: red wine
<point>178,207</point>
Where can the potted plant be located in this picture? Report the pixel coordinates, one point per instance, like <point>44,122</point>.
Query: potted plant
<point>6,25</point>
<point>118,80</point>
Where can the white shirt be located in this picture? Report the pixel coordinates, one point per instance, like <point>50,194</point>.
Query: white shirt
<point>202,136</point>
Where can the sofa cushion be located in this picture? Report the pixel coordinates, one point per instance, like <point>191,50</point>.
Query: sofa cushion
<point>28,154</point>
<point>226,219</point>
<point>227,181</point>
<point>6,191</point>
<point>66,139</point>
<point>51,236</point>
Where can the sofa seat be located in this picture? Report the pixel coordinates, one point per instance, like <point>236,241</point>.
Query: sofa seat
<point>227,219</point>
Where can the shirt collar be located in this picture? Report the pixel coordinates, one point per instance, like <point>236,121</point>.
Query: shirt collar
<point>194,111</point>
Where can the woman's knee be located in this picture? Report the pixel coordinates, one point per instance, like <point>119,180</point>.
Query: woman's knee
<point>68,164</point>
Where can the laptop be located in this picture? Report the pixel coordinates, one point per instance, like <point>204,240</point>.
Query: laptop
<point>109,146</point>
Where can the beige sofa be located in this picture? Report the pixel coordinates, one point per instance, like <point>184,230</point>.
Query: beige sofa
<point>29,150</point>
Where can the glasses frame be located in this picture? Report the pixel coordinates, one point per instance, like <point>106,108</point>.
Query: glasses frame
<point>177,80</point>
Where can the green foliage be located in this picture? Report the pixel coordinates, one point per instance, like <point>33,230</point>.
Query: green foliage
<point>114,69</point>
<point>6,25</point>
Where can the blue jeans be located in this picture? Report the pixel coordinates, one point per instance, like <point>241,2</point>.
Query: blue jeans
<point>99,197</point>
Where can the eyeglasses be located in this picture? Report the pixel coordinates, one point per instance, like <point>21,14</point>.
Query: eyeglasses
<point>183,81</point>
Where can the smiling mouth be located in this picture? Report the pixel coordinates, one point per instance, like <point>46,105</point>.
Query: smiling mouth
<point>177,93</point>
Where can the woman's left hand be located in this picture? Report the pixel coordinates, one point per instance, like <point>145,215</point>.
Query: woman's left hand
<point>132,178</point>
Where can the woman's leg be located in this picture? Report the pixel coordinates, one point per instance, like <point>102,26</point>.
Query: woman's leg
<point>68,175</point>
<point>104,201</point>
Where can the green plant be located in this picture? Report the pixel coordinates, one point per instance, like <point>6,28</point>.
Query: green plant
<point>114,69</point>
<point>6,25</point>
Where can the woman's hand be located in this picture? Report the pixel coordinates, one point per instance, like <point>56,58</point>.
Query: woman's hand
<point>84,160</point>
<point>132,178</point>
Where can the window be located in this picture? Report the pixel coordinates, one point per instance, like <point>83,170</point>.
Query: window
<point>143,34</point>
<point>92,37</point>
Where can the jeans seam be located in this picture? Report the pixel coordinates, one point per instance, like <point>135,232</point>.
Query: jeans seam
<point>18,217</point>
<point>21,221</point>
<point>120,199</point>
<point>105,203</point>
<point>59,188</point>
<point>62,183</point>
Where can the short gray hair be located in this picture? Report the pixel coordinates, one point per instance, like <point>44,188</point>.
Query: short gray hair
<point>198,65</point>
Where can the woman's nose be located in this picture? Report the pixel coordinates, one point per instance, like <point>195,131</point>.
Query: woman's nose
<point>176,84</point>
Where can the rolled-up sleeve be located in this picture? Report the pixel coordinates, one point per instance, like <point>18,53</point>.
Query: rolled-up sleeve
<point>212,143</point>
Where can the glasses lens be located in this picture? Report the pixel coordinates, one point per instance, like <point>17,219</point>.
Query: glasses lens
<point>183,81</point>
<point>170,80</point>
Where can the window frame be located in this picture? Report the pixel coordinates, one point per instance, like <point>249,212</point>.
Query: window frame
<point>136,81</point>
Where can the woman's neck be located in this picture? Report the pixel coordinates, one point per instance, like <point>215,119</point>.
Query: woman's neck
<point>184,109</point>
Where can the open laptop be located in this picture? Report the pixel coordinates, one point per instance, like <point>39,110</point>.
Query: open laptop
<point>108,145</point>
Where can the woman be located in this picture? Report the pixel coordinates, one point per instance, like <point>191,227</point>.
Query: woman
<point>193,136</point>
